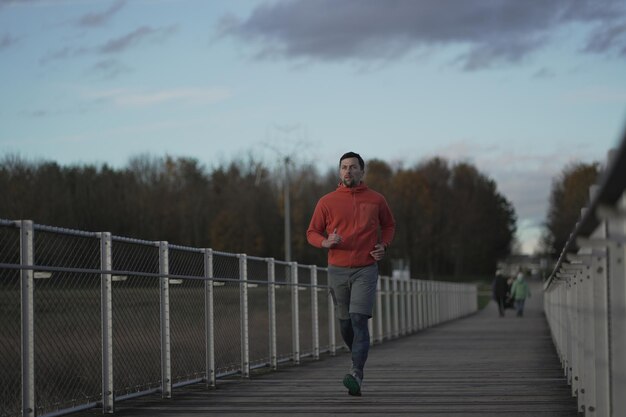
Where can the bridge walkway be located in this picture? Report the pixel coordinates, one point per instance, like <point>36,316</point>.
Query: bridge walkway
<point>481,365</point>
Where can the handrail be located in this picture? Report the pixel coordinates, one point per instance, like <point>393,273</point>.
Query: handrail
<point>585,297</point>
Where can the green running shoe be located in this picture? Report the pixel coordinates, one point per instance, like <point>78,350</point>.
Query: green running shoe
<point>353,382</point>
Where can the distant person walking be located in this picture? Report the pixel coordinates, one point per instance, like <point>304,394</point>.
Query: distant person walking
<point>519,293</point>
<point>355,224</point>
<point>500,290</point>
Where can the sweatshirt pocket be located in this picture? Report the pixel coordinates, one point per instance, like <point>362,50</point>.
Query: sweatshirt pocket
<point>368,215</point>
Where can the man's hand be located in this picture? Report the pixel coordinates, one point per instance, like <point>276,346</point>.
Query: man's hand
<point>332,240</point>
<point>379,251</point>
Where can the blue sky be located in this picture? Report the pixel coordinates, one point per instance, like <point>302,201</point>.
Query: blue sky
<point>519,88</point>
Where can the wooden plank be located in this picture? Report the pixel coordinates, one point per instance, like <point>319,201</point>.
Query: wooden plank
<point>482,365</point>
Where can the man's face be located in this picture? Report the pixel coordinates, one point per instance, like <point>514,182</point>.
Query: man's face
<point>350,172</point>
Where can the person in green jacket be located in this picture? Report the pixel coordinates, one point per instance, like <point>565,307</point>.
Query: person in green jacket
<point>519,293</point>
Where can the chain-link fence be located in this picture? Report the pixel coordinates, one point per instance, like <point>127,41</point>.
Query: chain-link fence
<point>10,340</point>
<point>88,319</point>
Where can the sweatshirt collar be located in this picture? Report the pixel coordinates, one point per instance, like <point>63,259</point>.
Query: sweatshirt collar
<point>359,188</point>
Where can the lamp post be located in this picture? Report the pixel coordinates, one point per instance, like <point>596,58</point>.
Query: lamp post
<point>286,153</point>
<point>287,212</point>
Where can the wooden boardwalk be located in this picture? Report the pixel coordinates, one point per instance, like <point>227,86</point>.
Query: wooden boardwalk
<point>482,365</point>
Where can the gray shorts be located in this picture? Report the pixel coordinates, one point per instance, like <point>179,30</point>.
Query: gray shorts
<point>353,289</point>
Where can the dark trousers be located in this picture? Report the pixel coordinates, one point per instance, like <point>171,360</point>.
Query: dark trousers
<point>355,333</point>
<point>501,302</point>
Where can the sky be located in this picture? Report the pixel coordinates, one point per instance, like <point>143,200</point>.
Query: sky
<point>520,89</point>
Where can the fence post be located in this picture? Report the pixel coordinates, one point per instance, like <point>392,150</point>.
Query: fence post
<point>166,364</point>
<point>585,337</point>
<point>420,305</point>
<point>430,303</point>
<point>401,307</point>
<point>409,306</point>
<point>28,333</point>
<point>388,327</point>
<point>314,311</point>
<point>379,312</point>
<point>415,306</point>
<point>295,313</point>
<point>576,354</point>
<point>617,301</point>
<point>567,346</point>
<point>564,316</point>
<point>243,303</point>
<point>589,383</point>
<point>106,313</point>
<point>271,302</point>
<point>331,322</point>
<point>396,308</point>
<point>209,318</point>
<point>601,330</point>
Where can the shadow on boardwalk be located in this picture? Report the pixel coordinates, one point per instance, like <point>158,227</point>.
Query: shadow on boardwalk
<point>482,365</point>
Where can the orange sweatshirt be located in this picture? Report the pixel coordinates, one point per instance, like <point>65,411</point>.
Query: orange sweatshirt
<point>362,219</point>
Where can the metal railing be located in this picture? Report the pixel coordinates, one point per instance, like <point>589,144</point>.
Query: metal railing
<point>89,319</point>
<point>585,297</point>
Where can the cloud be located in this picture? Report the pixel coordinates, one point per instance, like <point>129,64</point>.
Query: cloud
<point>109,68</point>
<point>116,45</point>
<point>144,33</point>
<point>34,114</point>
<point>99,19</point>
<point>595,94</point>
<point>543,73</point>
<point>129,98</point>
<point>492,32</point>
<point>6,41</point>
<point>62,54</point>
<point>607,38</point>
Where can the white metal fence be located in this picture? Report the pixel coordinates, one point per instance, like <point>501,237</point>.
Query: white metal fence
<point>585,298</point>
<point>88,319</point>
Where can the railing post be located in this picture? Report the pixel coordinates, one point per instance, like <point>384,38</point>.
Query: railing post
<point>437,303</point>
<point>396,308</point>
<point>106,314</point>
<point>429,300</point>
<point>452,301</point>
<point>576,334</point>
<point>295,313</point>
<point>243,304</point>
<point>442,301</point>
<point>166,364</point>
<point>415,306</point>
<point>418,319</point>
<point>601,327</point>
<point>617,301</point>
<point>331,324</point>
<point>569,330</point>
<point>425,297</point>
<point>315,312</point>
<point>418,304</point>
<point>209,318</point>
<point>567,345</point>
<point>582,335</point>
<point>379,312</point>
<point>271,294</point>
<point>589,383</point>
<point>401,307</point>
<point>388,328</point>
<point>28,333</point>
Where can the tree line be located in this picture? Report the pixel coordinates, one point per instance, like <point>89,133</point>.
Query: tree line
<point>569,193</point>
<point>451,219</point>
